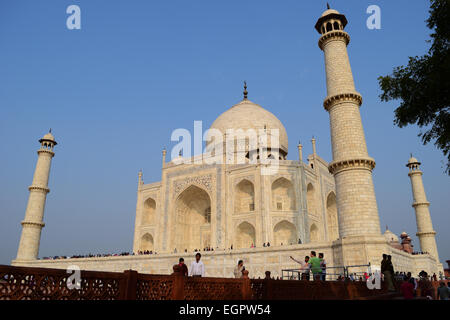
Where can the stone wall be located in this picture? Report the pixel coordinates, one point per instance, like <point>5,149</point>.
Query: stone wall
<point>222,263</point>
<point>217,263</point>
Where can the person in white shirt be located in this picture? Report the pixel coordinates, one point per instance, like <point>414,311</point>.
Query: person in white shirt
<point>304,269</point>
<point>197,267</point>
<point>239,269</point>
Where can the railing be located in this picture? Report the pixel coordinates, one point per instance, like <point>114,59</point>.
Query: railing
<point>24,283</point>
<point>330,273</point>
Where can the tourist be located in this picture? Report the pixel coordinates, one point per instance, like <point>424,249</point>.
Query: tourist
<point>183,266</point>
<point>386,268</point>
<point>197,267</point>
<point>434,277</point>
<point>407,289</point>
<point>239,269</point>
<point>315,266</point>
<point>299,241</point>
<point>442,292</point>
<point>366,276</point>
<point>304,269</point>
<point>390,268</point>
<point>412,280</point>
<point>425,286</point>
<point>323,267</point>
<point>268,244</point>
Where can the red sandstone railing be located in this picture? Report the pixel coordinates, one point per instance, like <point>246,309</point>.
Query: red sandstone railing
<point>24,283</point>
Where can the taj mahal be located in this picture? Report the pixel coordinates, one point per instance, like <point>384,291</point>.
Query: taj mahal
<point>234,209</point>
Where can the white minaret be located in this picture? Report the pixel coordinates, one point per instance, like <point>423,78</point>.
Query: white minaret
<point>351,166</point>
<point>34,214</point>
<point>425,231</point>
<point>300,152</point>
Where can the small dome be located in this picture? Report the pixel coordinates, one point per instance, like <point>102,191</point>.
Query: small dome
<point>329,11</point>
<point>390,237</point>
<point>248,115</point>
<point>49,136</point>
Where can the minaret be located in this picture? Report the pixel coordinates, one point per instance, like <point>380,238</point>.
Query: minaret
<point>34,214</point>
<point>351,166</point>
<point>313,142</point>
<point>425,231</point>
<point>300,153</point>
<point>140,180</point>
<point>164,152</point>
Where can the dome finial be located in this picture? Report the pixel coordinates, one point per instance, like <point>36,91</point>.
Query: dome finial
<point>328,6</point>
<point>245,90</point>
<point>50,131</point>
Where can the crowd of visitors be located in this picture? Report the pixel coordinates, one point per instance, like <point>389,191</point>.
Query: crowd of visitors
<point>412,288</point>
<point>419,252</point>
<point>90,255</point>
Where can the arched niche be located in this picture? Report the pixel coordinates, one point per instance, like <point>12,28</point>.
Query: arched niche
<point>283,195</point>
<point>244,197</point>
<point>192,220</point>
<point>314,233</point>
<point>285,233</point>
<point>149,212</point>
<point>245,235</point>
<point>147,243</point>
<point>332,217</point>
<point>311,201</point>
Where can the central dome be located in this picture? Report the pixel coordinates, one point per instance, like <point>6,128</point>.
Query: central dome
<point>248,115</point>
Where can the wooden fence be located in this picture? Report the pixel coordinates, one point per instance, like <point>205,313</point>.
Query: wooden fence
<point>24,283</point>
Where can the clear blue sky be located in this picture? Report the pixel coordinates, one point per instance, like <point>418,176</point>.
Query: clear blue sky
<point>115,90</point>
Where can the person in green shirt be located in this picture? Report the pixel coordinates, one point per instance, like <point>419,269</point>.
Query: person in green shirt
<point>315,266</point>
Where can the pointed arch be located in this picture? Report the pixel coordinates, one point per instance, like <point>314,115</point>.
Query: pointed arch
<point>149,212</point>
<point>147,243</point>
<point>244,197</point>
<point>245,235</point>
<point>332,217</point>
<point>283,195</point>
<point>192,219</point>
<point>285,233</point>
<point>314,233</point>
<point>311,201</point>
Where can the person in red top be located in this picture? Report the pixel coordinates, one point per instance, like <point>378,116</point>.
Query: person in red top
<point>184,268</point>
<point>407,289</point>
